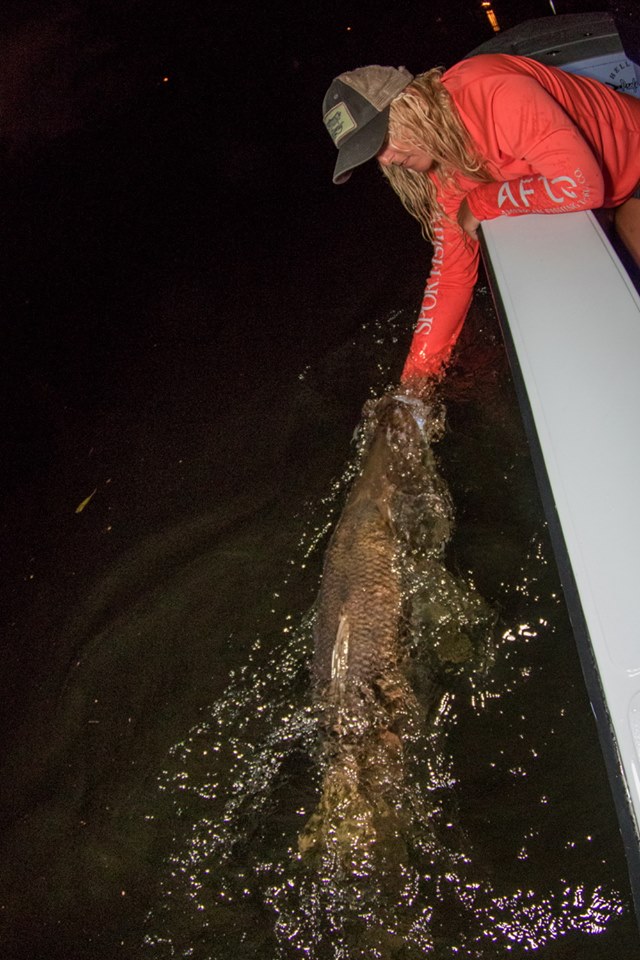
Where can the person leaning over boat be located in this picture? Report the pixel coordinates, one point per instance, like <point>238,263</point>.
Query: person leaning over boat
<point>494,136</point>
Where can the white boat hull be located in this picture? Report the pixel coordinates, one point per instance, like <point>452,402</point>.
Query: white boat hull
<point>571,319</point>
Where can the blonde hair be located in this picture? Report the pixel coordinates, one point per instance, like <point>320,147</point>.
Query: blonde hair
<point>425,115</point>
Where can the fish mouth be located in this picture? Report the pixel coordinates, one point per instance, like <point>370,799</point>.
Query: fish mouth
<point>416,408</point>
<point>427,411</point>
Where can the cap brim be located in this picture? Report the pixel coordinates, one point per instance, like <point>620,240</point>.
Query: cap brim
<point>362,146</point>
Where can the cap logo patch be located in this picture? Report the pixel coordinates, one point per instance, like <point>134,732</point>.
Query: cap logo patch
<point>339,122</point>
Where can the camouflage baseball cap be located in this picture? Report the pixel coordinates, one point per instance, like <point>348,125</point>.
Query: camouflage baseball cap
<point>356,113</point>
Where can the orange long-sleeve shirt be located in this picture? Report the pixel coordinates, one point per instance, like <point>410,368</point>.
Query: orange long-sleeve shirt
<point>553,143</point>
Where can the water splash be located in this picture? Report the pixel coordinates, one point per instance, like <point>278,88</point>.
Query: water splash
<point>242,784</point>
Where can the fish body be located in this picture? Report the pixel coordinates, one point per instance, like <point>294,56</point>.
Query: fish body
<point>398,504</point>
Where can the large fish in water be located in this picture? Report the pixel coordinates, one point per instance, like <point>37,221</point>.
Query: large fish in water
<point>398,514</point>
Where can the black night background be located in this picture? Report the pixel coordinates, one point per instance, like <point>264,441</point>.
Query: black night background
<point>183,298</point>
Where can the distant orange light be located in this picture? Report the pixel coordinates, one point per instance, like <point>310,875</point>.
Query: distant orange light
<point>165,79</point>
<point>349,28</point>
<point>493,20</point>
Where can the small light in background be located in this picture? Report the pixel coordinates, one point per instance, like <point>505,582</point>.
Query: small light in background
<point>491,17</point>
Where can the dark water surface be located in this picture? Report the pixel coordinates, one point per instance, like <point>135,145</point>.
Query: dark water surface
<point>161,757</point>
<point>192,333</point>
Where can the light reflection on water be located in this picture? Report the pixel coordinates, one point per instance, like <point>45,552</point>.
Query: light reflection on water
<point>512,848</point>
<point>156,801</point>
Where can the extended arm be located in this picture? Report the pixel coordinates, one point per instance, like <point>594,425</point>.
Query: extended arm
<point>447,295</point>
